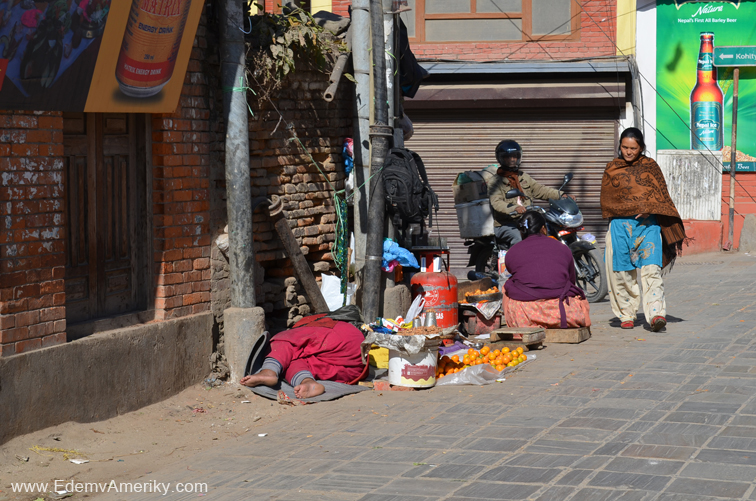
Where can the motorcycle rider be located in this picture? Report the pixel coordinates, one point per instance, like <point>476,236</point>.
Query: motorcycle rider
<point>508,177</point>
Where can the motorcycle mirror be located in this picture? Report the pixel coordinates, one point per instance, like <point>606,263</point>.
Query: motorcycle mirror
<point>514,194</point>
<point>567,178</point>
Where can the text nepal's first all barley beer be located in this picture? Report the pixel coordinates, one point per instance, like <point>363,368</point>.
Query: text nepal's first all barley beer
<point>706,101</point>
<point>150,45</point>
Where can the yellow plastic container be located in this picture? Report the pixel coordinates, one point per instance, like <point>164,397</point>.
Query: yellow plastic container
<point>379,357</point>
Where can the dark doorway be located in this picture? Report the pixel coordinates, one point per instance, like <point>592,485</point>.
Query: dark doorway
<point>107,251</point>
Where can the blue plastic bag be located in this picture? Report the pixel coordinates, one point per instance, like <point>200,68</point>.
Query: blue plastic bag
<point>392,252</point>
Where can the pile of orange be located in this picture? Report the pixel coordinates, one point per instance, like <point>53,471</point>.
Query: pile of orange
<point>479,292</point>
<point>498,359</point>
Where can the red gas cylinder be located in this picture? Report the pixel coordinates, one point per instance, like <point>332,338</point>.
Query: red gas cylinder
<point>440,292</point>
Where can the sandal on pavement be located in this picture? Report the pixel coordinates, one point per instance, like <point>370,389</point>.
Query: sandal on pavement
<point>627,324</point>
<point>658,323</point>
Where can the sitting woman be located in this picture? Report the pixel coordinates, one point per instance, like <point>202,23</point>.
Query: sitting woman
<point>541,291</point>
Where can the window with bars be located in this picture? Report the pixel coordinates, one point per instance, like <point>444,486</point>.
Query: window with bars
<point>434,21</point>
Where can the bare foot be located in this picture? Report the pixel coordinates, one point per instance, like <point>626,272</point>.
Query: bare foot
<point>308,388</point>
<point>265,377</point>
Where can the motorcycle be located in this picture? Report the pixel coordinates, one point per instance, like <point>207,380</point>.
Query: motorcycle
<point>563,221</point>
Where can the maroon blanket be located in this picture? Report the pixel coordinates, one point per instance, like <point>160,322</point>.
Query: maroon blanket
<point>331,352</point>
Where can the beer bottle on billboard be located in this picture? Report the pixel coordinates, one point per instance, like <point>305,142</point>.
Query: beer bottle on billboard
<point>706,101</point>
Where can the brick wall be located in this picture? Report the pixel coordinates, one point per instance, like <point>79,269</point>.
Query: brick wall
<point>593,42</point>
<point>188,202</point>
<point>341,7</point>
<point>745,193</point>
<point>181,206</point>
<point>280,166</point>
<point>32,231</point>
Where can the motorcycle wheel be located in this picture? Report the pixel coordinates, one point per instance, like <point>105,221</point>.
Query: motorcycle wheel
<point>592,275</point>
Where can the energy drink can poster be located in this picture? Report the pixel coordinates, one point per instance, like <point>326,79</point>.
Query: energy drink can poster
<point>694,102</point>
<point>95,55</point>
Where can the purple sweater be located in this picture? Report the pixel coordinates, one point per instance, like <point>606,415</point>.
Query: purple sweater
<point>541,268</point>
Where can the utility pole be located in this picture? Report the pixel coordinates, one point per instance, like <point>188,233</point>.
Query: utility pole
<point>243,322</point>
<point>241,255</point>
<point>361,62</point>
<point>380,133</point>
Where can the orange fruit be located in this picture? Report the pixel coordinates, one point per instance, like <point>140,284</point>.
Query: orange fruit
<point>519,348</point>
<point>505,350</point>
<point>471,351</point>
<point>440,376</point>
<point>455,358</point>
<point>506,358</point>
<point>510,364</point>
<point>485,350</point>
<point>466,359</point>
<point>500,367</point>
<point>497,353</point>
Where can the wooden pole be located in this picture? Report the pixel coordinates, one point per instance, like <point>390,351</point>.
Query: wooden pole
<point>298,261</point>
<point>733,154</point>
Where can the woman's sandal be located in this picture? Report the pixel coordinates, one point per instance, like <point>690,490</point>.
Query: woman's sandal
<point>627,324</point>
<point>658,323</point>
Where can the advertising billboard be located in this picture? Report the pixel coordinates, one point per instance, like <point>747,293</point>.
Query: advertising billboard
<point>694,100</point>
<point>95,55</point>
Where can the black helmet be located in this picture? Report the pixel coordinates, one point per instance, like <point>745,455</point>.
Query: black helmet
<point>507,149</point>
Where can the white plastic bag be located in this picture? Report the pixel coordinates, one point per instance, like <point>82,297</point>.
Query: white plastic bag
<point>480,375</point>
<point>331,290</point>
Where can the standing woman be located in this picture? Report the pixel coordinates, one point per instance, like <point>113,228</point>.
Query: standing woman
<point>645,232</point>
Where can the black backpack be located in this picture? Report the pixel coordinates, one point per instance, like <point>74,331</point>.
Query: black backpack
<point>409,197</point>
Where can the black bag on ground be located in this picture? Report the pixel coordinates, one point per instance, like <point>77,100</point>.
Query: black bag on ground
<point>409,196</point>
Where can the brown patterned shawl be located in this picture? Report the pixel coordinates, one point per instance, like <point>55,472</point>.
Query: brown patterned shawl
<point>639,188</point>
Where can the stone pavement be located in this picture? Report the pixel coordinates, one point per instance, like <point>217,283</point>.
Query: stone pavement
<point>629,415</point>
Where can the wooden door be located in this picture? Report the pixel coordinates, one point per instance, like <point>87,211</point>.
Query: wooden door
<point>101,164</point>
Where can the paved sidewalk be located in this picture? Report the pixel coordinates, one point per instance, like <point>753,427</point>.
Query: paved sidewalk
<point>629,415</point>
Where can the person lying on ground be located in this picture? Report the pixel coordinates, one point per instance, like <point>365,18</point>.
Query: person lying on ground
<point>316,348</point>
<point>542,291</point>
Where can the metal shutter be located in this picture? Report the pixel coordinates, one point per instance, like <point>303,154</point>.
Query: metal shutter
<point>454,141</point>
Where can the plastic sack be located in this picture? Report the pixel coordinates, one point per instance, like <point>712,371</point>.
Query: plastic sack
<point>331,290</point>
<point>391,265</point>
<point>480,375</point>
<point>348,155</point>
<point>392,251</point>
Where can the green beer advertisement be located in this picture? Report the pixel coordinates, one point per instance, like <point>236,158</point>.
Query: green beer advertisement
<point>694,100</point>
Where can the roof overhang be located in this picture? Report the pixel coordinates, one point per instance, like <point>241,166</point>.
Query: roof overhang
<point>576,67</point>
<point>519,95</point>
<point>524,84</point>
